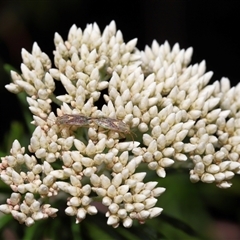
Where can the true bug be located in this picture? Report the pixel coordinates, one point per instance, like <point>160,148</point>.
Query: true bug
<point>112,124</point>
<point>73,119</point>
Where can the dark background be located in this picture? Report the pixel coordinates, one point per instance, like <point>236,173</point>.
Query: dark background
<point>210,27</point>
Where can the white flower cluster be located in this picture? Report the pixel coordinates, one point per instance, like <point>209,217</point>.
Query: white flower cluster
<point>153,96</point>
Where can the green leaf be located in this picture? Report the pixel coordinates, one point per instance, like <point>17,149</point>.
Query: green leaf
<point>16,132</point>
<point>96,232</point>
<point>32,232</point>
<point>4,220</point>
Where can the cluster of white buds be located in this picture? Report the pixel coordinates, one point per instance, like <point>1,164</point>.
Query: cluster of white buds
<point>122,109</point>
<point>28,210</point>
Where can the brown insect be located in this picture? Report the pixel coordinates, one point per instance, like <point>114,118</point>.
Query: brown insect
<point>73,119</point>
<point>112,124</point>
<point>103,122</point>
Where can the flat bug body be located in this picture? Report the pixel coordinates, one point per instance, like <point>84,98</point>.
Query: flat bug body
<point>112,124</point>
<point>73,119</point>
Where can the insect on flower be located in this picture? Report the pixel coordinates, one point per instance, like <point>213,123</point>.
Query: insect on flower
<point>73,119</point>
<point>112,124</point>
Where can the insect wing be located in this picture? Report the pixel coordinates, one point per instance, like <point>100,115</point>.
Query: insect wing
<point>112,124</point>
<point>106,123</point>
<point>121,126</point>
<point>73,119</point>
